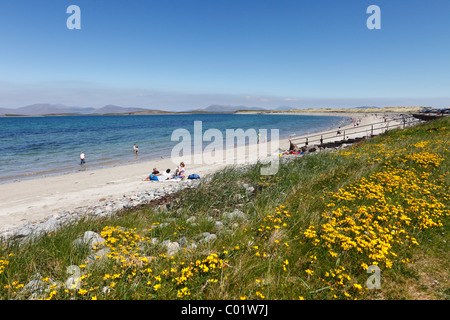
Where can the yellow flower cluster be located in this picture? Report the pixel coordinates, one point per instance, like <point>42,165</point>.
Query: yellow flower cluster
<point>211,262</point>
<point>183,292</point>
<point>123,244</point>
<point>268,181</point>
<point>3,263</point>
<point>15,285</point>
<point>421,144</point>
<point>274,222</point>
<point>425,159</point>
<point>338,279</point>
<point>375,218</point>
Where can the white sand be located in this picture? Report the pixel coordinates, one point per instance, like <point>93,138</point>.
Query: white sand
<point>30,200</point>
<point>367,126</point>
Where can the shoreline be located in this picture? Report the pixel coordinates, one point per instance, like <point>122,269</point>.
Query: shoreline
<point>34,200</point>
<point>74,167</point>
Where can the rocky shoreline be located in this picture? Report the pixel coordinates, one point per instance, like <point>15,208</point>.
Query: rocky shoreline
<point>103,208</point>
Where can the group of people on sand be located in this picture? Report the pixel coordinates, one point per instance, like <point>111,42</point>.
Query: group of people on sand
<point>180,173</point>
<point>356,123</point>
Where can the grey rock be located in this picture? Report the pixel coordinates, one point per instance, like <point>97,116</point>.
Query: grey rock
<point>172,247</point>
<point>89,238</point>
<point>99,255</point>
<point>235,214</point>
<point>165,243</point>
<point>211,237</point>
<point>191,219</point>
<point>35,287</point>
<point>248,188</point>
<point>204,234</point>
<point>182,241</point>
<point>26,232</point>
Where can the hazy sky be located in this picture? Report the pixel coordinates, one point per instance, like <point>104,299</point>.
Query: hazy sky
<point>181,54</point>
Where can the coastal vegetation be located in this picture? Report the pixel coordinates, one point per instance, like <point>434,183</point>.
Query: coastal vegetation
<point>312,231</point>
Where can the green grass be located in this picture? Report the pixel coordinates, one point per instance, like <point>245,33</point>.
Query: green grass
<point>265,255</point>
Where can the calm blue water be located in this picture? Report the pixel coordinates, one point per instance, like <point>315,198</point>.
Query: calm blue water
<point>35,146</point>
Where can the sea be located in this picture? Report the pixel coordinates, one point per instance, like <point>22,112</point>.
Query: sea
<point>32,147</point>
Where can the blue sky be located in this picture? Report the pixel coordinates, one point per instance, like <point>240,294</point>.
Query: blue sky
<point>183,54</point>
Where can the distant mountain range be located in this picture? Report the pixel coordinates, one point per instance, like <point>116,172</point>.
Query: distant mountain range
<point>40,109</point>
<point>59,109</point>
<point>116,109</point>
<point>222,108</point>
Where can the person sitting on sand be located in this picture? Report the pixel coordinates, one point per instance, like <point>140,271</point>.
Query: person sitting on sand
<point>157,176</point>
<point>164,175</point>
<point>180,172</point>
<point>152,176</point>
<point>292,146</point>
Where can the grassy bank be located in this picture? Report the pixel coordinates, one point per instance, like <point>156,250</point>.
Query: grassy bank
<point>310,232</point>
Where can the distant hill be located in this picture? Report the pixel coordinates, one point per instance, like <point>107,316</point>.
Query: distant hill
<point>227,109</point>
<point>149,112</point>
<point>44,108</point>
<point>4,111</point>
<point>59,109</point>
<point>116,109</point>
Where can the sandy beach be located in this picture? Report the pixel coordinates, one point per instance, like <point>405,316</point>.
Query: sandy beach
<point>30,200</point>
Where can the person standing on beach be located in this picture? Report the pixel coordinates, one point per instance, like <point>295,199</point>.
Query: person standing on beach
<point>82,157</point>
